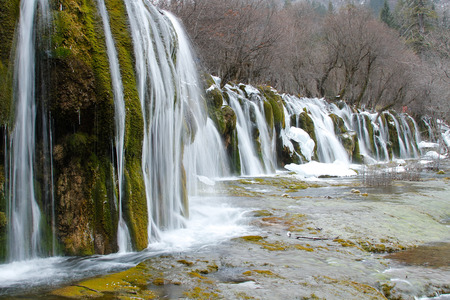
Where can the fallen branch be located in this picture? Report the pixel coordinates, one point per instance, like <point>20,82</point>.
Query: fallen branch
<point>313,238</point>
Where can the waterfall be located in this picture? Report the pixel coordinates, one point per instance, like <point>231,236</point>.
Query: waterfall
<point>204,158</point>
<point>329,148</point>
<point>24,230</point>
<point>123,235</point>
<point>162,112</point>
<point>173,112</point>
<point>256,141</point>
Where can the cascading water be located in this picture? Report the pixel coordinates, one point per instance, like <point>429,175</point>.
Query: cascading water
<point>204,158</point>
<point>411,140</point>
<point>162,112</point>
<point>253,132</point>
<point>329,148</point>
<point>123,234</point>
<point>24,213</point>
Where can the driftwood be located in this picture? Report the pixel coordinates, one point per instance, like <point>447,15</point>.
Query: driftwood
<point>313,238</point>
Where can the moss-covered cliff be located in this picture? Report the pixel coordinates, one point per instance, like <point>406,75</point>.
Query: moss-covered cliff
<point>9,14</point>
<point>82,102</point>
<point>75,94</point>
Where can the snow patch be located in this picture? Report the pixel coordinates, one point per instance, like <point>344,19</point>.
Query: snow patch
<point>305,141</point>
<point>316,169</point>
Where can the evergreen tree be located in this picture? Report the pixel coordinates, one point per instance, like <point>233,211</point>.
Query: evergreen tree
<point>415,19</point>
<point>330,7</point>
<point>386,15</point>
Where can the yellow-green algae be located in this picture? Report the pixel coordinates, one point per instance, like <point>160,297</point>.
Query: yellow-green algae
<point>132,283</point>
<point>368,291</point>
<point>261,272</point>
<point>202,293</point>
<point>274,245</point>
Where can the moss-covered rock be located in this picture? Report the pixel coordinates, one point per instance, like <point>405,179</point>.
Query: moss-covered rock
<point>135,212</point>
<point>370,132</point>
<point>350,142</point>
<point>82,102</point>
<point>214,97</point>
<point>276,103</point>
<point>268,113</point>
<point>394,145</point>
<point>306,123</point>
<point>339,125</point>
<point>9,14</point>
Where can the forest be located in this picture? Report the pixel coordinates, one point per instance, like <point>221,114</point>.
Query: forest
<point>370,56</point>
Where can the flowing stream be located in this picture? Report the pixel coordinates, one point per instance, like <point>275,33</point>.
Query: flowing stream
<point>183,155</point>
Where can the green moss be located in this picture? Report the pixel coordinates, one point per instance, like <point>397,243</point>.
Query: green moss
<point>252,238</point>
<point>262,213</point>
<point>9,14</point>
<point>345,243</point>
<point>276,102</point>
<point>185,262</point>
<point>292,188</point>
<point>128,284</point>
<point>136,204</point>
<point>82,100</point>
<point>211,268</point>
<point>268,113</point>
<point>307,124</point>
<point>233,153</point>
<point>370,129</point>
<point>214,98</point>
<point>196,275</point>
<point>200,293</point>
<point>356,154</point>
<point>124,46</point>
<point>339,125</point>
<point>393,135</point>
<point>303,248</point>
<point>105,215</point>
<point>260,272</point>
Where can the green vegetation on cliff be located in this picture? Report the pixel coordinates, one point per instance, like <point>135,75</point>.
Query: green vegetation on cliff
<point>9,14</point>
<point>82,101</point>
<point>276,103</point>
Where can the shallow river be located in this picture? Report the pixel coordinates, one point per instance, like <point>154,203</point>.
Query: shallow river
<point>274,237</point>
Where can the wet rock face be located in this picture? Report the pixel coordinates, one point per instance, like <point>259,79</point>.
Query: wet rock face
<point>73,90</point>
<point>74,211</point>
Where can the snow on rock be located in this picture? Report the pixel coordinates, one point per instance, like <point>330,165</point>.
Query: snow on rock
<point>316,169</point>
<point>446,137</point>
<point>305,141</point>
<point>434,155</point>
<point>251,90</point>
<point>424,144</point>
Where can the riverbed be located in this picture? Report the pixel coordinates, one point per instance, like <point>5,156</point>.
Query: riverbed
<point>284,237</point>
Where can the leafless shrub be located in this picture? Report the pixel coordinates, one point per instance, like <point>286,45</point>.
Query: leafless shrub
<point>385,175</point>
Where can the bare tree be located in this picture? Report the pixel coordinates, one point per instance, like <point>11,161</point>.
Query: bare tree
<point>235,38</point>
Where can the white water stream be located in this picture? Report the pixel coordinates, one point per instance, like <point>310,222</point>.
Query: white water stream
<point>123,234</point>
<point>154,45</point>
<point>24,213</point>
